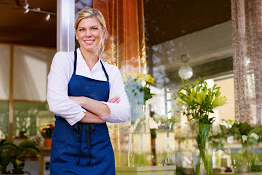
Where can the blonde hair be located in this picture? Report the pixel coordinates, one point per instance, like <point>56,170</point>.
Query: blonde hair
<point>88,13</point>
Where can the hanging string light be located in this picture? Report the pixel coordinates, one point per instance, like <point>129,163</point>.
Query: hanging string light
<point>27,9</point>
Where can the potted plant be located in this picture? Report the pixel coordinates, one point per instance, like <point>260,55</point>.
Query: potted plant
<point>11,153</point>
<point>47,133</point>
<point>248,136</point>
<point>197,101</point>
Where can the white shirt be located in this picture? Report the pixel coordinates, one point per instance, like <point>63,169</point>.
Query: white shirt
<point>57,89</point>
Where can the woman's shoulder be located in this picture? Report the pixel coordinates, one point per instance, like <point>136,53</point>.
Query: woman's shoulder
<point>64,55</point>
<point>63,60</point>
<point>110,67</point>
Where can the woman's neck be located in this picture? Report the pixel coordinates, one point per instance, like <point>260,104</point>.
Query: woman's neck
<point>90,58</point>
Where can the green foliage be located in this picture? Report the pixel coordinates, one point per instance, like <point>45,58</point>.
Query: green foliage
<point>165,122</point>
<point>219,138</point>
<point>248,136</point>
<point>11,153</point>
<point>198,100</point>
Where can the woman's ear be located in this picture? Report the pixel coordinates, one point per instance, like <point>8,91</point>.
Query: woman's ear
<point>76,35</point>
<point>105,35</point>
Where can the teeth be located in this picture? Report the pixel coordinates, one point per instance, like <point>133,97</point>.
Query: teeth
<point>89,41</point>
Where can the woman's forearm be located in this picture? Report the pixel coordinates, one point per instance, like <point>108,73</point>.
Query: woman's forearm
<point>91,118</point>
<point>96,107</point>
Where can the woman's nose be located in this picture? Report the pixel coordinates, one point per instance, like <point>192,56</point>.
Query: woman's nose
<point>88,33</point>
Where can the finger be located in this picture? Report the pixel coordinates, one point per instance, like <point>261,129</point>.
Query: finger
<point>117,100</point>
<point>111,100</point>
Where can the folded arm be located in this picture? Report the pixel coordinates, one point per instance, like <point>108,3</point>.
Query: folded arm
<point>119,112</point>
<point>96,109</point>
<point>57,89</point>
<point>91,118</point>
<point>116,109</point>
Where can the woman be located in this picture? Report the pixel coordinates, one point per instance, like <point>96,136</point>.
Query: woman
<point>84,92</point>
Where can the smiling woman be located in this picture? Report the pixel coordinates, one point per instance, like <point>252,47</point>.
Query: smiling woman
<point>90,34</point>
<point>80,97</point>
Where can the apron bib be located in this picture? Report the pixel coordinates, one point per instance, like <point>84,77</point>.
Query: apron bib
<point>84,149</point>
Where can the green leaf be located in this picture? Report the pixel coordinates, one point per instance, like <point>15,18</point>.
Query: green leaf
<point>30,149</point>
<point>198,99</point>
<point>245,128</point>
<point>27,143</point>
<point>219,101</point>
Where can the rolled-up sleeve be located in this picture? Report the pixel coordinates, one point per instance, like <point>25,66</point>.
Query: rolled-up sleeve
<point>120,112</point>
<point>57,90</point>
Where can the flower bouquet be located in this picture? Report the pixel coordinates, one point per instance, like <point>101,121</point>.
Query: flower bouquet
<point>137,87</point>
<point>197,101</point>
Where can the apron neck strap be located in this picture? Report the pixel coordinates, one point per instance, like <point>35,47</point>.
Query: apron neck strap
<point>104,71</point>
<point>75,60</point>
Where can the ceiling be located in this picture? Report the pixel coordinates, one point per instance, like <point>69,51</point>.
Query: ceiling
<point>164,20</point>
<point>30,28</point>
<point>169,19</point>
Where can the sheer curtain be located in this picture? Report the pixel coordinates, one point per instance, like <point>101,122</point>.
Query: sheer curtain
<point>247,57</point>
<point>126,42</point>
<point>126,49</point>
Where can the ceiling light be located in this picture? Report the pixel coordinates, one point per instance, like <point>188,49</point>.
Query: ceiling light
<point>185,71</point>
<point>26,11</point>
<point>26,6</point>
<point>47,17</point>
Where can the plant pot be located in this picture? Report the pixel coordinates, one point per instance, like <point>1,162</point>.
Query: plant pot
<point>48,142</point>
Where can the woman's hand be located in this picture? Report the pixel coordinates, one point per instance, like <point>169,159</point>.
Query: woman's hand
<point>114,100</point>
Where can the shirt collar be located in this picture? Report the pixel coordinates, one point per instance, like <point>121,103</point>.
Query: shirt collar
<point>80,59</point>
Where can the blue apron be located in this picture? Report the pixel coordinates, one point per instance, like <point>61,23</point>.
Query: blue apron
<point>84,149</point>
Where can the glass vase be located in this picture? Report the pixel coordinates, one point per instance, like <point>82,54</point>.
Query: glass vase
<point>203,158</point>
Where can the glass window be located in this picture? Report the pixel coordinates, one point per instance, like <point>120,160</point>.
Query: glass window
<point>30,117</point>
<point>4,119</point>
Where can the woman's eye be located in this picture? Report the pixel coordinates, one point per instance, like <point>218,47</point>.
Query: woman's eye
<point>81,30</point>
<point>94,28</point>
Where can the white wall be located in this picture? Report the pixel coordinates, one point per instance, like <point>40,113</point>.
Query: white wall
<point>4,71</point>
<point>31,67</point>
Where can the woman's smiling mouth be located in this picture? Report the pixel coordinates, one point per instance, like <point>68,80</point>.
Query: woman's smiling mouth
<point>89,41</point>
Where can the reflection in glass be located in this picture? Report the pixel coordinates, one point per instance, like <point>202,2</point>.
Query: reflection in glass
<point>4,119</point>
<point>30,117</point>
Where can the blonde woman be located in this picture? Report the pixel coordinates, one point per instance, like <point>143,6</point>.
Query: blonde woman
<point>84,93</point>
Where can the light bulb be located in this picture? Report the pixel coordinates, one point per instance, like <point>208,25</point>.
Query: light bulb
<point>47,17</point>
<point>26,6</point>
<point>26,11</point>
<point>185,72</point>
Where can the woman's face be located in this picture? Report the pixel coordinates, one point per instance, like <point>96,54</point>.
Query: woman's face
<point>89,34</point>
